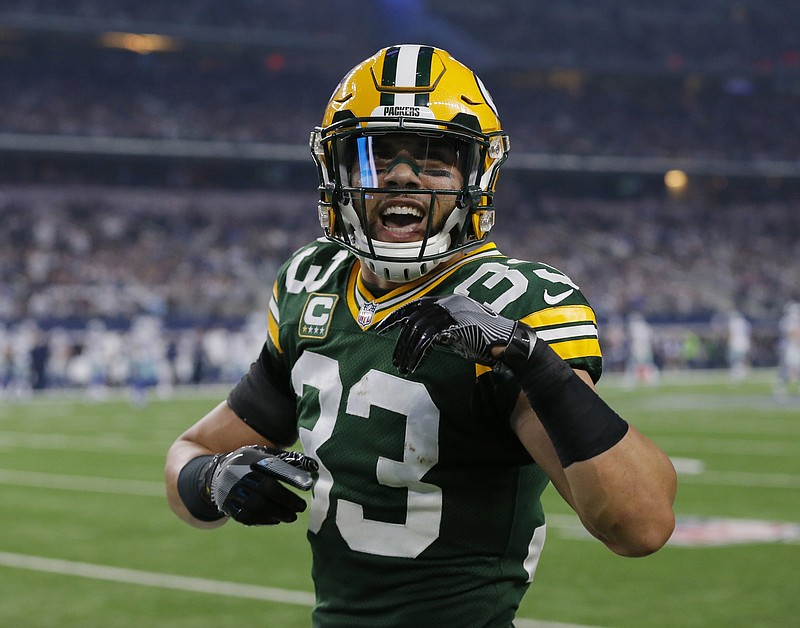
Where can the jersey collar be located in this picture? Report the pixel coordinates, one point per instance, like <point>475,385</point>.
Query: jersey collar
<point>368,309</point>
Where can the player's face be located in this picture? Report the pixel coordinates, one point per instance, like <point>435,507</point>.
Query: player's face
<point>402,164</point>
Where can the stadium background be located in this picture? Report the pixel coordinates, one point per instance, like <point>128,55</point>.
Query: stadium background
<point>153,162</point>
<point>154,172</point>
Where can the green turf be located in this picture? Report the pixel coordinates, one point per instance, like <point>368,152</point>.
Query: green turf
<point>80,481</point>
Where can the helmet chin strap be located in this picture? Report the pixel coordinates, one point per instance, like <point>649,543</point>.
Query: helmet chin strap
<point>456,218</point>
<point>405,270</point>
<point>405,266</point>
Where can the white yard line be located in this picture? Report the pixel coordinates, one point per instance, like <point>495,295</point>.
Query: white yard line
<point>127,445</point>
<point>193,585</point>
<point>155,579</point>
<point>118,443</point>
<point>153,488</point>
<point>82,483</point>
<point>744,478</point>
<point>738,446</point>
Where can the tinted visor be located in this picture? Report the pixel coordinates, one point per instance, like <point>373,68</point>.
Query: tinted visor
<point>437,161</point>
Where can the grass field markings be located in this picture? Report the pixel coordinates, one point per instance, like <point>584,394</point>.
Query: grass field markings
<point>688,466</point>
<point>743,447</point>
<point>121,443</point>
<point>82,483</point>
<point>564,522</point>
<point>155,579</point>
<point>190,584</point>
<point>56,397</point>
<point>694,531</point>
<point>751,426</point>
<point>85,443</point>
<point>718,401</point>
<point>745,478</point>
<point>521,622</point>
<point>135,446</point>
<point>153,488</point>
<point>699,377</point>
<point>697,531</point>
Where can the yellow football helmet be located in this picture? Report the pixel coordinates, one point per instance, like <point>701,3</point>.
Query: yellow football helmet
<point>408,89</point>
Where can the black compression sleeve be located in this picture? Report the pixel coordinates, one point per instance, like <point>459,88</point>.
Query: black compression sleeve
<point>261,403</point>
<point>191,484</point>
<point>580,424</point>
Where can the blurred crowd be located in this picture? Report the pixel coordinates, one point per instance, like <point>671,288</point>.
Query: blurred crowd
<point>81,252</point>
<point>85,252</point>
<point>112,93</point>
<point>714,35</point>
<point>251,14</point>
<point>87,272</point>
<point>75,259</point>
<point>216,97</point>
<point>665,258</point>
<point>656,119</point>
<point>143,357</point>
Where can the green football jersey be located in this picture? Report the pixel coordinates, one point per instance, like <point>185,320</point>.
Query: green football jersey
<point>426,509</point>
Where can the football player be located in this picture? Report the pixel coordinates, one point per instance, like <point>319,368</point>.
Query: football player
<point>789,350</point>
<point>436,386</point>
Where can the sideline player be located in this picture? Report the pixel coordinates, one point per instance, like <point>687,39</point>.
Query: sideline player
<point>789,351</point>
<point>408,353</point>
<point>740,342</point>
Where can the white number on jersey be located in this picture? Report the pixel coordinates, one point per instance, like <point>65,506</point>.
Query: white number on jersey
<point>420,454</point>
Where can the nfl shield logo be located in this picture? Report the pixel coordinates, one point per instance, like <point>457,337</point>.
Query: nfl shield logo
<point>366,313</point>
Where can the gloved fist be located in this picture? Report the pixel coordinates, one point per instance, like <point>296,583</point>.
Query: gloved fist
<point>470,328</point>
<point>246,484</point>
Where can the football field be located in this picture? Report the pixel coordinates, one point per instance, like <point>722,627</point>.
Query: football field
<point>87,539</point>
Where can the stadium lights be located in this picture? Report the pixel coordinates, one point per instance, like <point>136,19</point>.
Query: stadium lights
<point>140,43</point>
<point>676,180</point>
<point>677,183</point>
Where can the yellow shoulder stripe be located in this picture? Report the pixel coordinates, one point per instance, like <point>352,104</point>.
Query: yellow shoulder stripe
<point>560,315</point>
<point>273,327</point>
<point>583,348</point>
<point>566,316</point>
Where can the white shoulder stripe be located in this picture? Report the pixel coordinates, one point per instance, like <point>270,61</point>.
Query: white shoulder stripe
<point>565,333</point>
<point>273,309</point>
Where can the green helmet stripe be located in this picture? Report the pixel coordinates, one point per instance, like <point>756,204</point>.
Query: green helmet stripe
<point>406,66</point>
<point>389,75</point>
<point>423,74</point>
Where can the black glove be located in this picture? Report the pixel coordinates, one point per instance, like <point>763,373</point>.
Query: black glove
<point>470,328</point>
<point>246,484</point>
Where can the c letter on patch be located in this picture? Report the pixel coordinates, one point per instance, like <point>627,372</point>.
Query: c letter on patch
<point>317,314</point>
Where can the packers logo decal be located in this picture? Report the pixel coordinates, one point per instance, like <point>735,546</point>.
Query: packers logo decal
<point>317,313</point>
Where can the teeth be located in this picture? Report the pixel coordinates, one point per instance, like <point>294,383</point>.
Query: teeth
<point>403,210</point>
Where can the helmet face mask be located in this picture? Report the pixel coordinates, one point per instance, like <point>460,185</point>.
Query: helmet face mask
<point>407,157</point>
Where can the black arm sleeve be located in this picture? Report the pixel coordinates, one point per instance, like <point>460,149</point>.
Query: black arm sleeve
<point>580,424</point>
<point>265,403</point>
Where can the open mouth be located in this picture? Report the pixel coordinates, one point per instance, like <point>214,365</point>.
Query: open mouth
<point>401,223</point>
